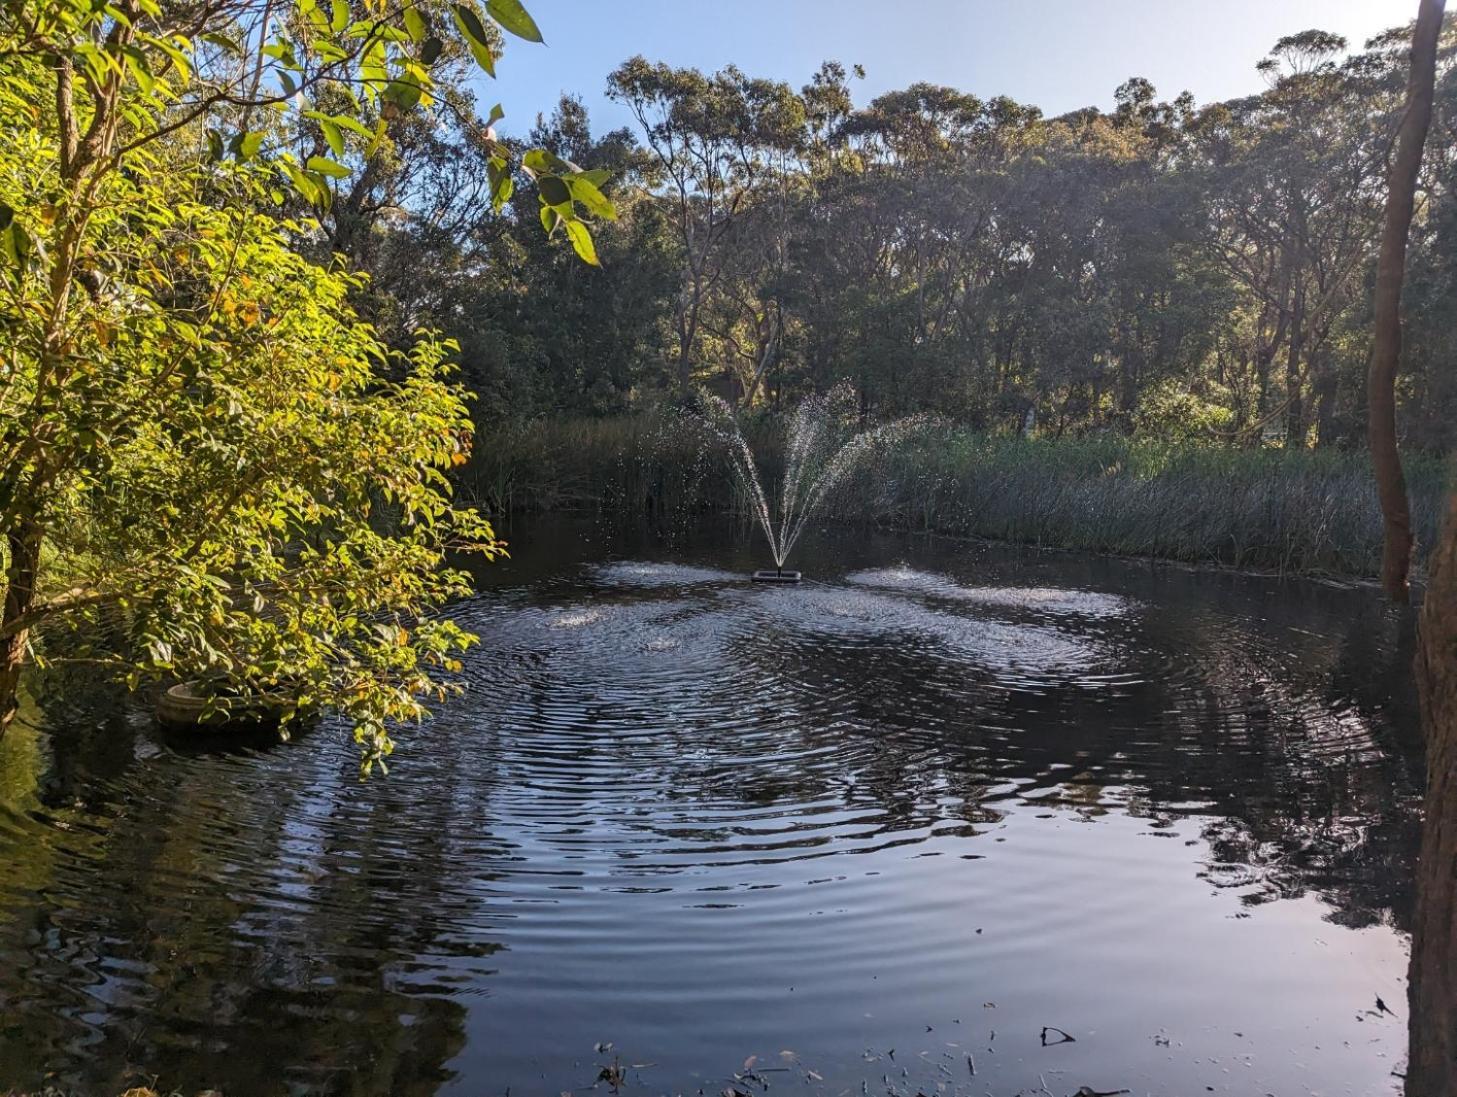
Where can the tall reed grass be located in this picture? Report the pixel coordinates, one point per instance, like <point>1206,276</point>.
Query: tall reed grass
<point>1304,512</point>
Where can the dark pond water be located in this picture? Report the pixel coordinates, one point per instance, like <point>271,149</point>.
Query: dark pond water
<point>849,837</point>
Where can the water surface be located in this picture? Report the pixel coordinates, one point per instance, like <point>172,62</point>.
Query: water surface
<point>862,835</point>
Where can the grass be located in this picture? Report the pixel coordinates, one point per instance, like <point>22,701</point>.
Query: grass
<point>1303,512</point>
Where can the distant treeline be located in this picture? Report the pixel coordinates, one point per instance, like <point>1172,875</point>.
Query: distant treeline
<point>1305,512</point>
<point>1164,269</point>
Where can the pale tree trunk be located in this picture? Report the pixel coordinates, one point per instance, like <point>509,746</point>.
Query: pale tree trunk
<point>1386,340</point>
<point>1432,1066</point>
<point>1294,391</point>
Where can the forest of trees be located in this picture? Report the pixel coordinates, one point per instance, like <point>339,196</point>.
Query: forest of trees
<point>1165,268</point>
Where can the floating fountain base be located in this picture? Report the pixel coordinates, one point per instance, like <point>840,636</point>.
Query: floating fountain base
<point>776,576</point>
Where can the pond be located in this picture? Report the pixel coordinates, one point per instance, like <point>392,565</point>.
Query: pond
<point>946,818</point>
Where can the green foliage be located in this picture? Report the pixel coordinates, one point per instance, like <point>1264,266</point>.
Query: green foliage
<point>161,71</point>
<point>1158,269</point>
<point>211,467</point>
<point>1305,512</point>
<point>231,459</point>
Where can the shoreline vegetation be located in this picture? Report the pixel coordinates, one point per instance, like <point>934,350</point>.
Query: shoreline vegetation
<point>1289,512</point>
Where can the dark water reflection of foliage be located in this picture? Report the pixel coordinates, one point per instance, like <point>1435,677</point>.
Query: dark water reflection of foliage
<point>675,739</point>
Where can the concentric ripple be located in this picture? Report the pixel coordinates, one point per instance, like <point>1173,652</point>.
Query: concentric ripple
<point>925,807</point>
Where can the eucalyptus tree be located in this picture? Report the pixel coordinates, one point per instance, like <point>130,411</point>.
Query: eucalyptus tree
<point>1432,1063</point>
<point>717,140</point>
<point>1153,267</point>
<point>200,441</point>
<point>1401,188</point>
<point>1294,190</point>
<point>541,333</point>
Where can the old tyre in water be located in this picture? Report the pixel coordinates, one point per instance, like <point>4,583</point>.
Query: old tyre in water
<point>188,705</point>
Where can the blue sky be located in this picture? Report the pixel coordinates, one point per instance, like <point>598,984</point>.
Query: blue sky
<point>1057,54</point>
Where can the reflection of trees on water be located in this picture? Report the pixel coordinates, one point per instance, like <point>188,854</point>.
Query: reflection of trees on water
<point>226,926</point>
<point>231,918</point>
<point>1293,728</point>
<point>1287,721</point>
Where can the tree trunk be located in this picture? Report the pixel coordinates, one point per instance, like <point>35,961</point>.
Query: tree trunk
<point>1294,390</point>
<point>1432,1065</point>
<point>23,548</point>
<point>1390,267</point>
<point>1324,367</point>
<point>1128,390</point>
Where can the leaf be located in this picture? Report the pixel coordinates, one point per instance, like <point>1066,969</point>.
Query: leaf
<point>245,145</point>
<point>7,215</point>
<point>430,51</point>
<point>136,61</point>
<point>502,184</point>
<point>341,16</point>
<point>483,59</point>
<point>496,115</point>
<point>334,137</point>
<point>16,244</point>
<point>415,24</point>
<point>381,130</point>
<point>581,238</point>
<point>475,37</point>
<point>553,191</point>
<point>328,167</point>
<point>180,59</point>
<point>317,19</point>
<point>372,67</point>
<point>354,125</point>
<point>541,162</point>
<point>223,41</point>
<point>592,199</point>
<point>470,24</point>
<point>512,15</point>
<point>402,93</point>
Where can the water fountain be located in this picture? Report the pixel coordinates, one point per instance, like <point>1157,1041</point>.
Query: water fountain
<point>823,444</point>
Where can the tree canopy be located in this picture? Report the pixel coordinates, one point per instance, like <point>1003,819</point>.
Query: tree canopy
<point>1160,267</point>
<point>211,466</point>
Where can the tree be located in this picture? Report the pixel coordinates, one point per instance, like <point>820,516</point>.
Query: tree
<point>714,138</point>
<point>1432,1061</point>
<point>1151,268</point>
<point>1293,175</point>
<point>199,439</point>
<point>1390,270</point>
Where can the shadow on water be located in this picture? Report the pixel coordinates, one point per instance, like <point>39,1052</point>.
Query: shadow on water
<point>936,798</point>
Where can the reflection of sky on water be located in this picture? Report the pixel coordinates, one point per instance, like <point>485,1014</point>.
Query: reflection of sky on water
<point>895,806</point>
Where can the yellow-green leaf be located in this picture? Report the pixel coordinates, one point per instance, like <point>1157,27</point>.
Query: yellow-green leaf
<point>325,166</point>
<point>581,238</point>
<point>512,15</point>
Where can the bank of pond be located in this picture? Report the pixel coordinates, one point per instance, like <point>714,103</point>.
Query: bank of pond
<point>1305,512</point>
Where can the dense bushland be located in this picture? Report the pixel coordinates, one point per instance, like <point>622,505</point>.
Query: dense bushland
<point>1310,511</point>
<point>1163,268</point>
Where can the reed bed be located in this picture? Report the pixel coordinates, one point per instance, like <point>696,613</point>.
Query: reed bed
<point>1303,512</point>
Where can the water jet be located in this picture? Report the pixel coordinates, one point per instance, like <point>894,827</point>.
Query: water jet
<point>824,442</point>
